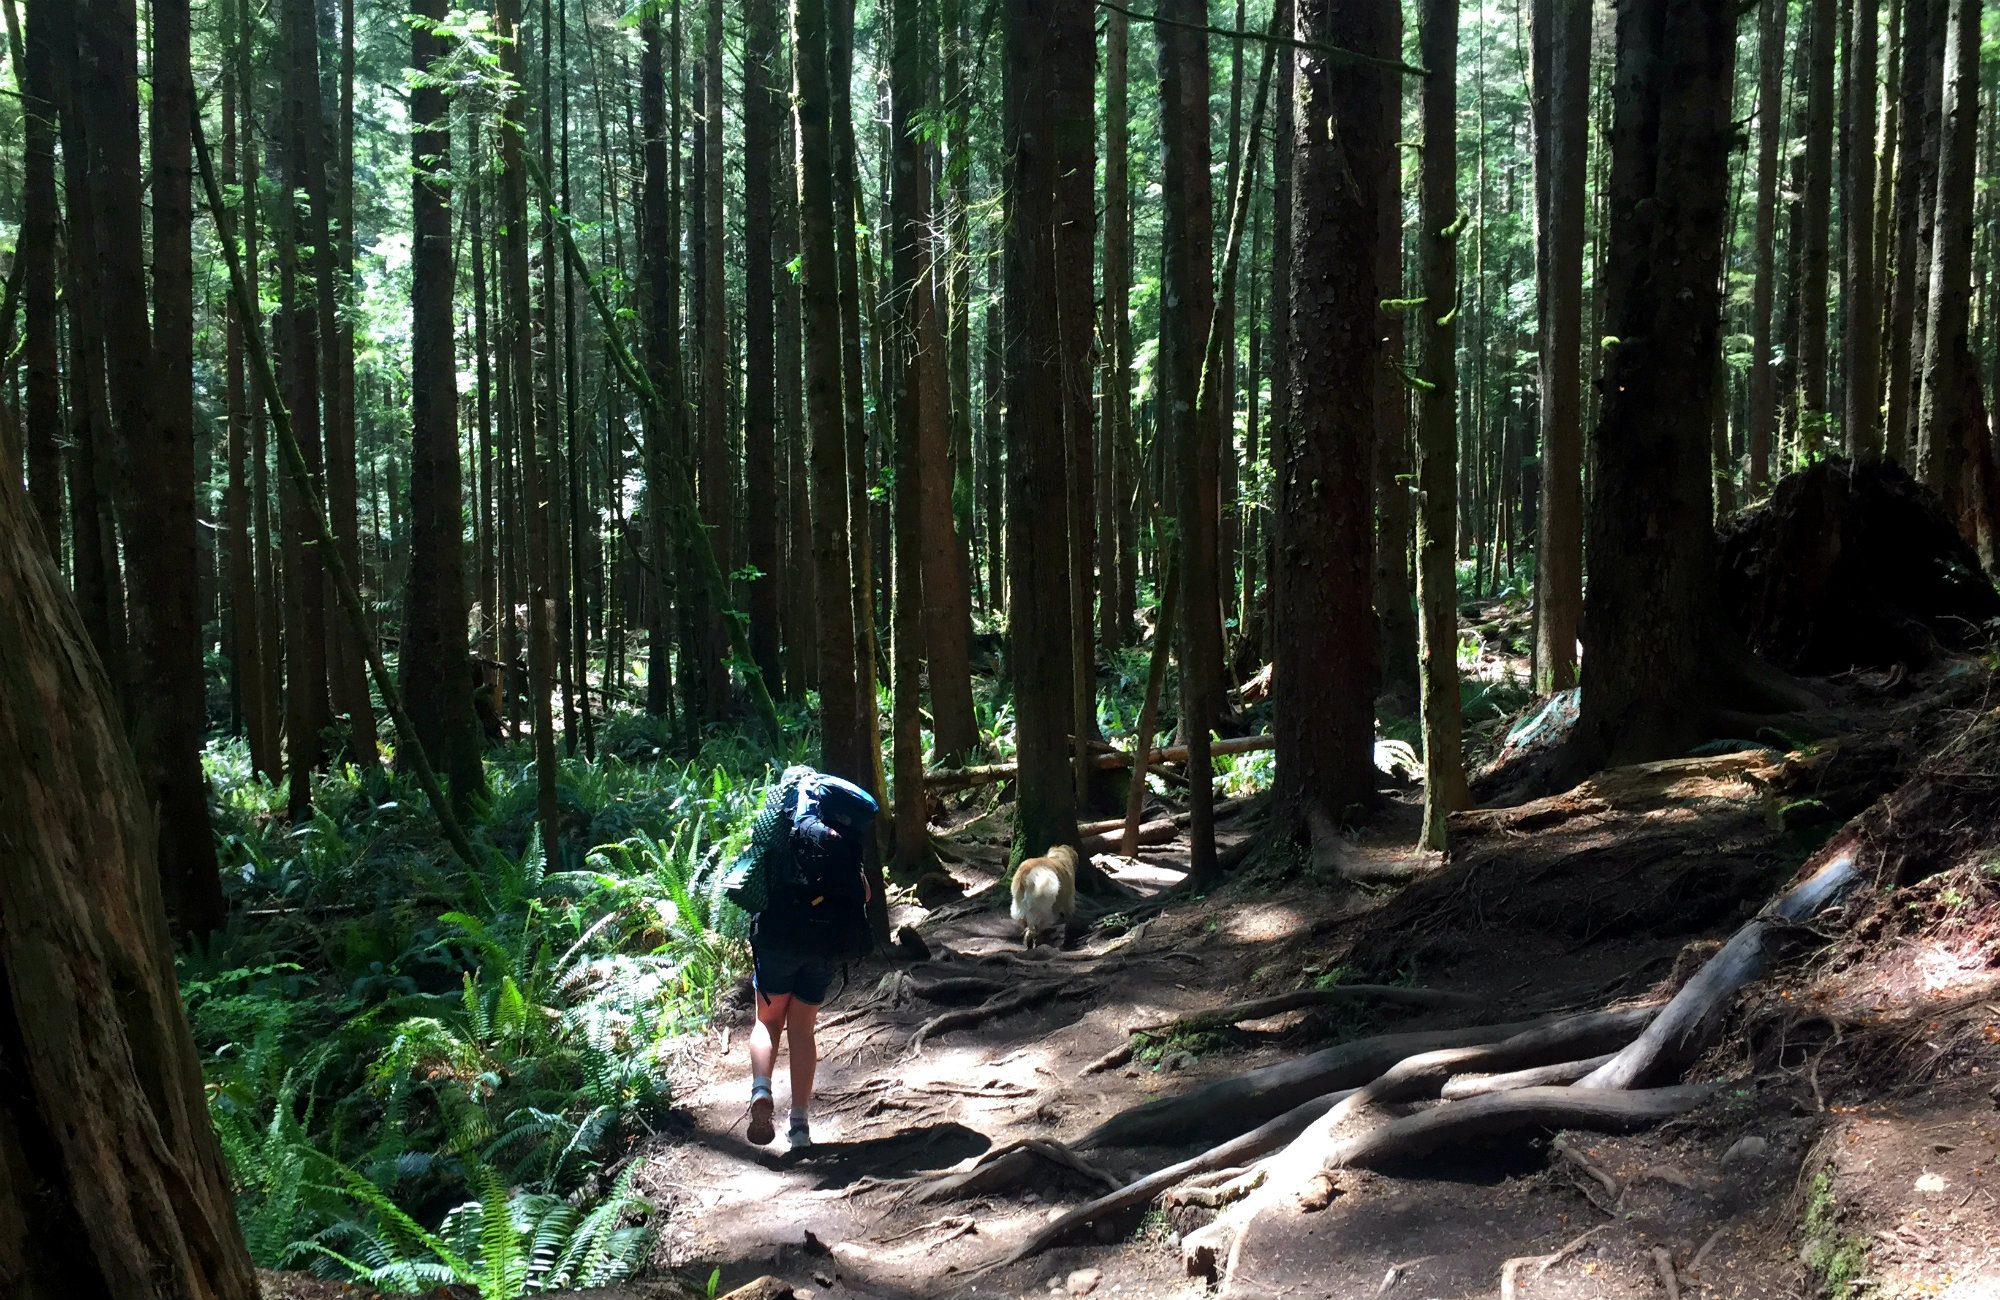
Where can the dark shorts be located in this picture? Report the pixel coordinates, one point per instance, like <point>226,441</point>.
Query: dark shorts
<point>778,971</point>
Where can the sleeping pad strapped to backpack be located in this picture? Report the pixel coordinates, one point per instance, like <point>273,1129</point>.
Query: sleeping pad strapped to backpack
<point>801,876</point>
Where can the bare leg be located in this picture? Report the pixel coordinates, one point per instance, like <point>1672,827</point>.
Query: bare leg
<point>764,1035</point>
<point>771,1014</point>
<point>799,1020</point>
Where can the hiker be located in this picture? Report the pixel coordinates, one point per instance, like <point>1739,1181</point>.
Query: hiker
<point>813,917</point>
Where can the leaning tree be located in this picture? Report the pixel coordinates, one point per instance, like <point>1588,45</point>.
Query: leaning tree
<point>111,1182</point>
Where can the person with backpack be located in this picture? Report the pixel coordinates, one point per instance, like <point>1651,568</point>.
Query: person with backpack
<point>803,883</point>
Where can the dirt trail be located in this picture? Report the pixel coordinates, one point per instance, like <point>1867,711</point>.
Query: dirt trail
<point>1820,1163</point>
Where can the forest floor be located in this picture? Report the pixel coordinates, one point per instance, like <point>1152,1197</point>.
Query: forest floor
<point>1853,1147</point>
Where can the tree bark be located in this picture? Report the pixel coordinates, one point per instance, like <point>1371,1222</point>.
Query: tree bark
<point>1564,29</point>
<point>716,478</point>
<point>1951,426</point>
<point>1770,130</point>
<point>1321,610</point>
<point>433,658</point>
<point>40,234</point>
<point>1046,41</point>
<point>1115,596</point>
<point>1395,597</point>
<point>1817,206</point>
<point>1650,621</point>
<point>521,372</point>
<point>1857,223</point>
<point>1438,227</point>
<point>113,1183</point>
<point>151,379</point>
<point>844,747</point>
<point>763,109</point>
<point>662,351</point>
<point>1194,433</point>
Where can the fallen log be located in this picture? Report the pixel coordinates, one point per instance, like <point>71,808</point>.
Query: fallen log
<point>1223,808</point>
<point>964,778</point>
<point>1684,1026</point>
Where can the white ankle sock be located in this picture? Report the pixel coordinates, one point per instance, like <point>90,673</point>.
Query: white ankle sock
<point>760,1086</point>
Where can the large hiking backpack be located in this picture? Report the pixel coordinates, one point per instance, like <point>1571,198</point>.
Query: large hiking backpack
<point>801,876</point>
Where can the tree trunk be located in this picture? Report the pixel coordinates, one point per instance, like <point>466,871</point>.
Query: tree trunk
<point>307,709</point>
<point>1438,227</point>
<point>151,379</point>
<point>1284,132</point>
<point>432,662</point>
<point>763,108</point>
<point>1857,223</point>
<point>346,657</point>
<point>1187,302</point>
<point>1817,204</point>
<point>662,352</point>
<point>917,399</point>
<point>40,233</point>
<point>1929,137</point>
<point>1395,599</point>
<point>1046,42</point>
<point>844,746</point>
<point>1905,291</point>
<point>521,373</point>
<point>1650,621</point>
<point>114,1183</point>
<point>1321,611</point>
<point>1115,596</point>
<point>1951,427</point>
<point>716,479</point>
<point>1076,240</point>
<point>1770,130</point>
<point>1564,30</point>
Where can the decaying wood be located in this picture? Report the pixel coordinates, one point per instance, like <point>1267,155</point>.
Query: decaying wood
<point>1299,999</point>
<point>964,778</point>
<point>1684,1026</point>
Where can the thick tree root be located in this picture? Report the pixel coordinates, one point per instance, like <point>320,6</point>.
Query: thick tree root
<point>1004,1004</point>
<point>1266,1137</point>
<point>1461,1086</point>
<point>1009,1167</point>
<point>1278,1004</point>
<point>1230,1106</point>
<point>1425,1132</point>
<point>1684,1027</point>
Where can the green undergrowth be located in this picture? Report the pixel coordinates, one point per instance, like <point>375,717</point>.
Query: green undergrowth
<point>1836,1259</point>
<point>423,1074</point>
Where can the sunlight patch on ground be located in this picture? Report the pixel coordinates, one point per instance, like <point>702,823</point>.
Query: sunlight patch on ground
<point>1265,923</point>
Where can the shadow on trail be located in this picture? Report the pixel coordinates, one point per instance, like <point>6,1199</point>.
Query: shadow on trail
<point>834,1165</point>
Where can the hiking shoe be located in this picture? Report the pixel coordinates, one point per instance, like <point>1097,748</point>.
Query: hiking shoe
<point>799,1136</point>
<point>761,1128</point>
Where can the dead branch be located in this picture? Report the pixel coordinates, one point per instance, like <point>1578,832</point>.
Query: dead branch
<point>1683,1028</point>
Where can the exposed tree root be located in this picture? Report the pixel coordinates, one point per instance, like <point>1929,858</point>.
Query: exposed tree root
<point>1230,1106</point>
<point>1004,1004</point>
<point>1423,1133</point>
<point>1541,1263</point>
<point>1268,1136</point>
<point>1280,1003</point>
<point>1461,1086</point>
<point>1010,1167</point>
<point>1683,1028</point>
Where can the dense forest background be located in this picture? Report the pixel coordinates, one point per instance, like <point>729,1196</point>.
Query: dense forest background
<point>484,443</point>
